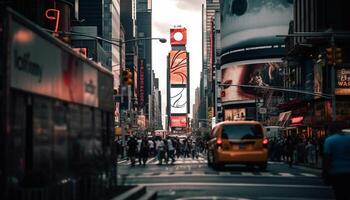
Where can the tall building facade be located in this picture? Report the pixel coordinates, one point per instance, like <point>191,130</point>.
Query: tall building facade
<point>207,87</point>
<point>309,68</point>
<point>251,54</point>
<point>144,30</point>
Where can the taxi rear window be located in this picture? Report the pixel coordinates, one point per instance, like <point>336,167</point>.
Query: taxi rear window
<point>242,131</point>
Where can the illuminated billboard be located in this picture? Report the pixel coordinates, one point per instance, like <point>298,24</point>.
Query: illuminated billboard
<point>249,28</point>
<point>178,121</point>
<point>234,114</point>
<point>263,72</point>
<point>178,67</point>
<point>343,82</point>
<point>178,36</point>
<point>178,100</point>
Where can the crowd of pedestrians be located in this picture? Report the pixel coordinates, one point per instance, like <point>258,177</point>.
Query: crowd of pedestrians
<point>165,150</point>
<point>295,148</point>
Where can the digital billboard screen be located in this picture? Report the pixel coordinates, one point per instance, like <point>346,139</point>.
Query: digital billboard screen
<point>249,27</point>
<point>178,121</point>
<point>178,67</point>
<point>234,114</point>
<point>263,72</point>
<point>178,100</point>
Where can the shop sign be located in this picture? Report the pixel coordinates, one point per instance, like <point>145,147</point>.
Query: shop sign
<point>296,120</point>
<point>343,82</point>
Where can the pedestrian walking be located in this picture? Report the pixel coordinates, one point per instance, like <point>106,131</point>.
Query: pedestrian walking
<point>144,150</point>
<point>336,168</point>
<point>132,149</point>
<point>290,147</point>
<point>161,151</point>
<point>151,147</point>
<point>170,151</point>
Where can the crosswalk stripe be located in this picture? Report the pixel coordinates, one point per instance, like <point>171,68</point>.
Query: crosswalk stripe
<point>224,173</point>
<point>266,174</point>
<point>247,174</point>
<point>286,174</point>
<point>308,174</point>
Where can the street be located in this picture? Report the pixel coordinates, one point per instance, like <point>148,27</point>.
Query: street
<point>191,178</point>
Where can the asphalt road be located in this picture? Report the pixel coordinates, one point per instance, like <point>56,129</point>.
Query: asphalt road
<point>193,179</point>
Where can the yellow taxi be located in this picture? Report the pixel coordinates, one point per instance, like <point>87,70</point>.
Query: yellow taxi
<point>238,142</point>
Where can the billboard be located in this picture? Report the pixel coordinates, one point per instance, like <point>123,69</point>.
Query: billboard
<point>263,72</point>
<point>249,28</point>
<point>178,121</point>
<point>178,36</point>
<point>178,100</point>
<point>343,81</point>
<point>178,67</point>
<point>57,74</point>
<point>234,114</point>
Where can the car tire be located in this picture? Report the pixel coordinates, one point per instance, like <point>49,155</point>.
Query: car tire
<point>216,165</point>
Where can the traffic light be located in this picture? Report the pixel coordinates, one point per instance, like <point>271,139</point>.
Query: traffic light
<point>329,56</point>
<point>338,56</point>
<point>127,77</point>
<point>334,55</point>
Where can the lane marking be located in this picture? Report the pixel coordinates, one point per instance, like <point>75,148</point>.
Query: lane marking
<point>266,174</point>
<point>234,185</point>
<point>151,160</point>
<point>286,174</point>
<point>224,173</point>
<point>292,198</point>
<point>308,174</point>
<point>247,174</point>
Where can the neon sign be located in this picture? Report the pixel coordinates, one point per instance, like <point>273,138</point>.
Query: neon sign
<point>54,15</point>
<point>297,120</point>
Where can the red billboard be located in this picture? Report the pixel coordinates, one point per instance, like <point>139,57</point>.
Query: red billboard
<point>178,121</point>
<point>178,36</point>
<point>178,67</point>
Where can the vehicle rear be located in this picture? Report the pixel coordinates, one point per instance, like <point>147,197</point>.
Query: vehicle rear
<point>239,142</point>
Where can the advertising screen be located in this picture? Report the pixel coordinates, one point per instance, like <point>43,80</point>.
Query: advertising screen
<point>249,27</point>
<point>264,72</point>
<point>178,36</point>
<point>178,67</point>
<point>234,114</point>
<point>178,121</point>
<point>343,82</point>
<point>178,100</point>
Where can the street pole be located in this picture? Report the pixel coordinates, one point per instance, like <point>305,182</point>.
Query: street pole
<point>334,110</point>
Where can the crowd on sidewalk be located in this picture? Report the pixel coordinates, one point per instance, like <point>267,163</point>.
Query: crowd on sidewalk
<point>165,150</point>
<point>296,149</point>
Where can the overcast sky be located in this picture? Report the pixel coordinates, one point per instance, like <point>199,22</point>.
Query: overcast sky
<point>166,14</point>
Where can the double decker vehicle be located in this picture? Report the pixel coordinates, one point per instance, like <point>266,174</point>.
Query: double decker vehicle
<point>58,117</point>
<point>238,142</point>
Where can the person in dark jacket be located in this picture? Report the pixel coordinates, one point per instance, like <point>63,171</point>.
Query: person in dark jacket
<point>132,149</point>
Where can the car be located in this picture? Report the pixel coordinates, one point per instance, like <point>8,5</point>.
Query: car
<point>238,142</point>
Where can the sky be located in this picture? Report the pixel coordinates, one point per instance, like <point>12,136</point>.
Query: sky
<point>165,15</point>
